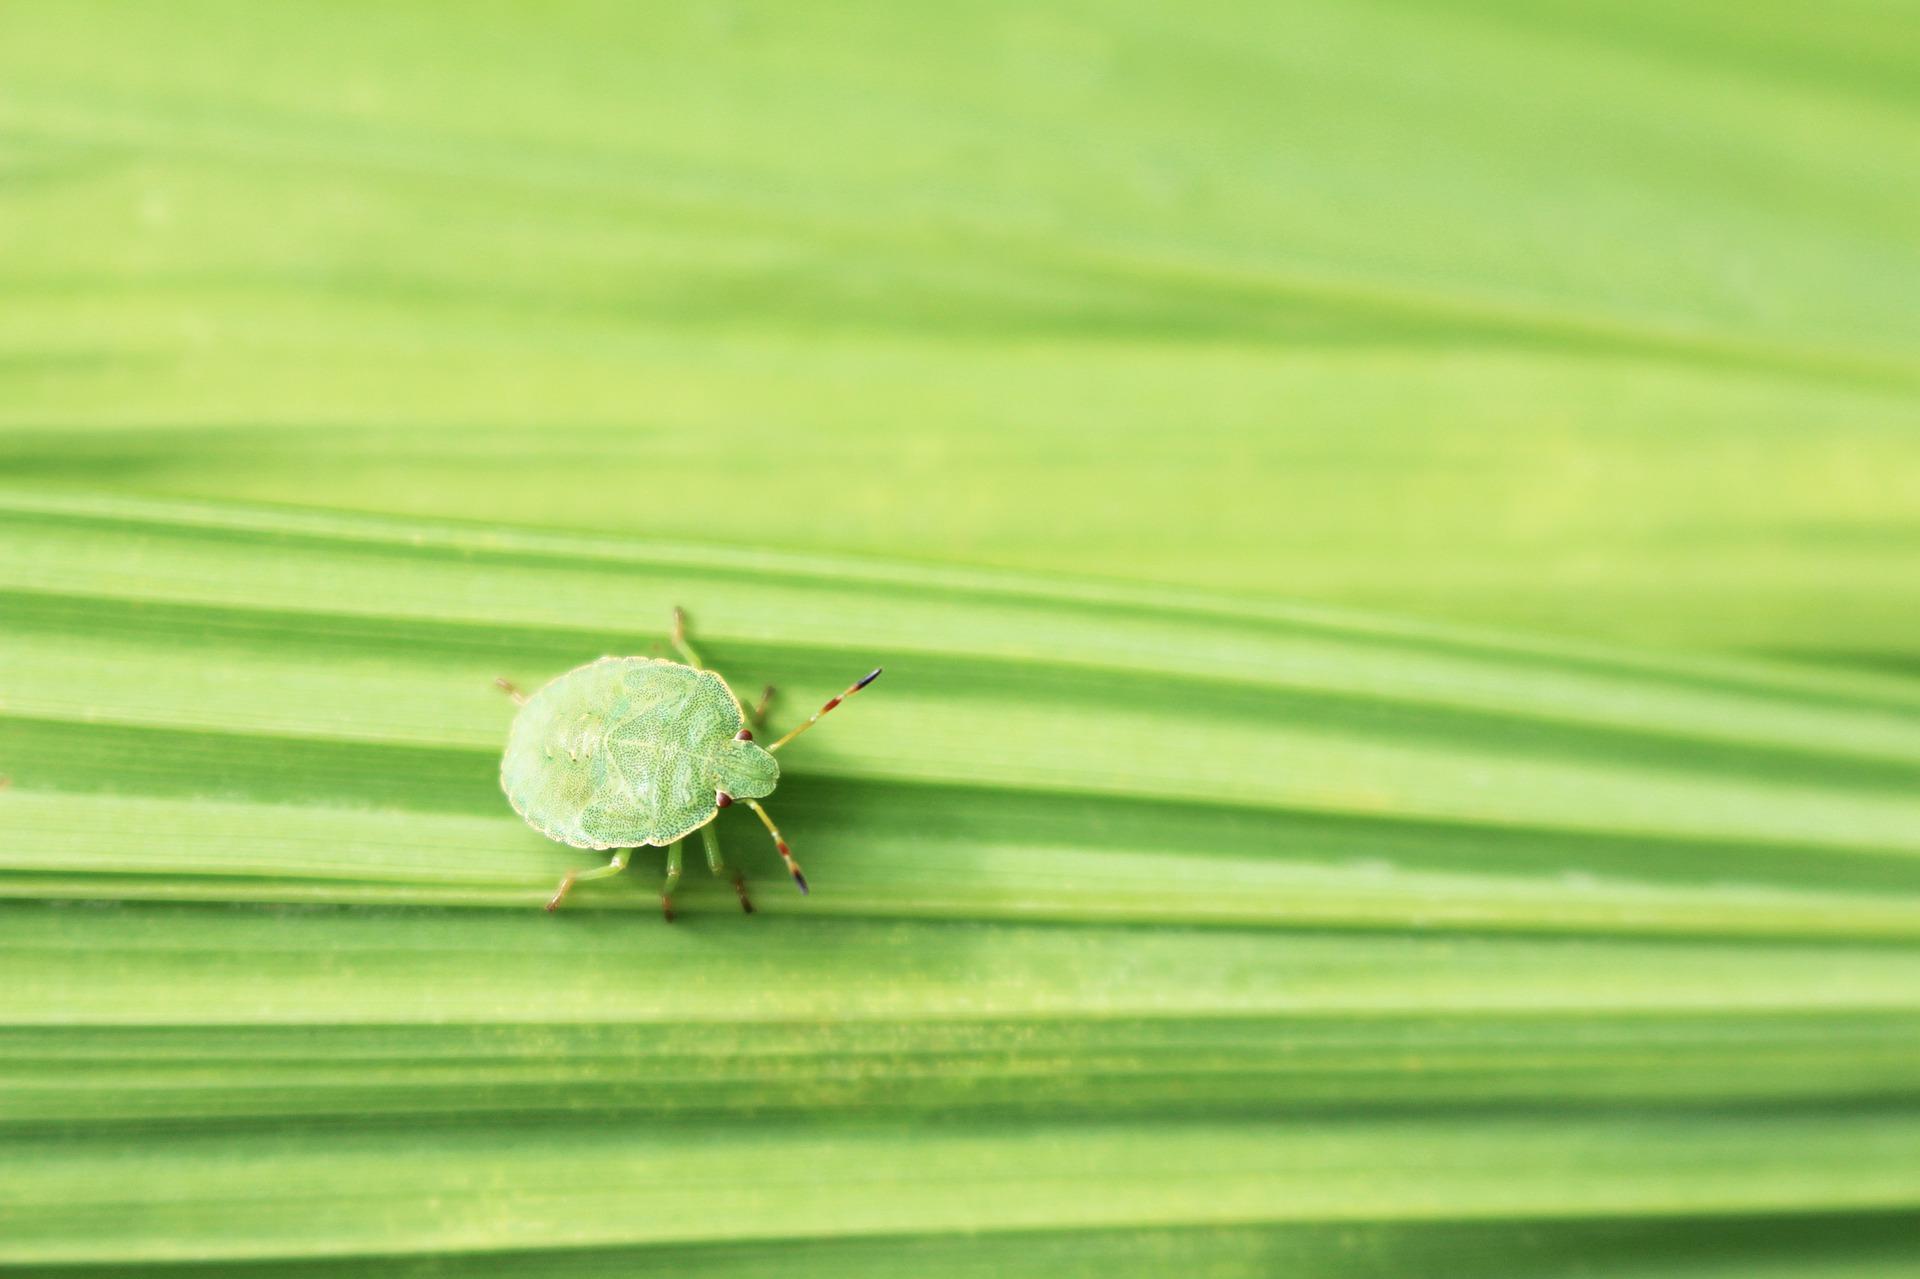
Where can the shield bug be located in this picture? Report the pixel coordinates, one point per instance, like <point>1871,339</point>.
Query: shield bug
<point>632,752</point>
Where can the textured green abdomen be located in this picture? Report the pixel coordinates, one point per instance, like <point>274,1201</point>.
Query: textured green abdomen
<point>628,751</point>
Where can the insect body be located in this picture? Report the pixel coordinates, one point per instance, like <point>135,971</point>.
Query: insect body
<point>629,752</point>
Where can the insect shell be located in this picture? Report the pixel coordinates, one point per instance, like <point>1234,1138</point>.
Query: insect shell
<point>630,752</point>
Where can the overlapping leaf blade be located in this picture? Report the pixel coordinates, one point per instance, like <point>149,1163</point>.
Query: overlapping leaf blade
<point>1156,932</point>
<point>1227,921</point>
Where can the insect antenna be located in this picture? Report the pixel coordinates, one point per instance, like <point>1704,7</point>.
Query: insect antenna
<point>786,854</point>
<point>832,702</point>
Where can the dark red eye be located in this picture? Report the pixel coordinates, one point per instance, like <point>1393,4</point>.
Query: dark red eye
<point>743,735</point>
<point>721,798</point>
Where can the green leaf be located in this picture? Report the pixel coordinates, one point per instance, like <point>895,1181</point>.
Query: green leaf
<point>352,357</point>
<point>1222,922</point>
<point>1589,316</point>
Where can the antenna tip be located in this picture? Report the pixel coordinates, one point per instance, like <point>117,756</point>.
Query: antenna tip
<point>872,676</point>
<point>799,881</point>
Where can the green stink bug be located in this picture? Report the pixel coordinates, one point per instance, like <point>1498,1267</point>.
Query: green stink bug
<point>629,752</point>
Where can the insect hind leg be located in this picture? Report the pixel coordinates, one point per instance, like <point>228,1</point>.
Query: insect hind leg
<point>572,877</point>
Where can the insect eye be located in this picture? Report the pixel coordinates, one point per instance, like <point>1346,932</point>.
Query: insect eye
<point>744,735</point>
<point>721,798</point>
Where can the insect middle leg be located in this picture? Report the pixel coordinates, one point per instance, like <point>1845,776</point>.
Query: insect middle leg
<point>692,658</point>
<point>680,644</point>
<point>718,865</point>
<point>572,877</point>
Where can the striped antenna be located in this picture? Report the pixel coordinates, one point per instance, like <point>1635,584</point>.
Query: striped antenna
<point>832,702</point>
<point>786,854</point>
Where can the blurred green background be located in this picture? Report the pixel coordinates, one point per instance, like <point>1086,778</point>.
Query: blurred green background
<point>1593,318</point>
<point>1393,528</point>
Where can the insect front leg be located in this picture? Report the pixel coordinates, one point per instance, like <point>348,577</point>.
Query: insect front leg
<point>718,865</point>
<point>572,877</point>
<point>673,878</point>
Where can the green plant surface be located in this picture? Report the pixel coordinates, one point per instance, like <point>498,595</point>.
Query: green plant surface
<point>1150,930</point>
<point>1591,317</point>
<point>1126,378</point>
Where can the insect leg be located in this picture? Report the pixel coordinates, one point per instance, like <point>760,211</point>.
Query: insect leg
<point>692,658</point>
<point>673,878</point>
<point>758,715</point>
<point>718,865</point>
<point>572,877</point>
<point>832,702</point>
<point>786,854</point>
<point>511,689</point>
<point>680,644</point>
